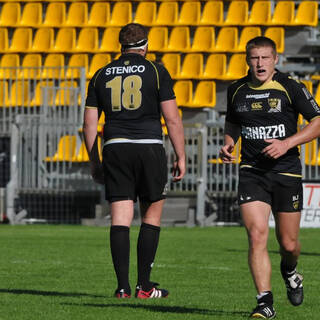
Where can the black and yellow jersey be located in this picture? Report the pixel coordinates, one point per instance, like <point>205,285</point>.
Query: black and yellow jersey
<point>269,111</point>
<point>129,91</point>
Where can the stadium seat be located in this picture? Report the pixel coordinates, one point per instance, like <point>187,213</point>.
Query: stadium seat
<point>192,66</point>
<point>307,14</point>
<point>55,15</point>
<point>31,15</point>
<point>77,15</point>
<point>4,40</point>
<point>277,35</point>
<point>4,93</point>
<point>98,61</point>
<point>121,14</point>
<point>76,61</point>
<point>66,149</point>
<point>179,39</point>
<point>43,40</point>
<point>190,13</point>
<point>317,94</point>
<point>10,14</point>
<point>215,66</point>
<point>21,40</point>
<point>311,153</point>
<point>203,40</point>
<point>283,14</point>
<point>183,92</point>
<point>32,63</point>
<point>101,122</point>
<point>260,13</point>
<point>204,96</point>
<point>151,56</point>
<point>8,66</point>
<point>146,13</point>
<point>212,13</point>
<point>236,153</point>
<point>237,13</point>
<point>237,67</point>
<point>227,39</point>
<point>53,66</point>
<point>40,92</point>
<point>99,14</point>
<point>110,40</point>
<point>20,94</point>
<point>65,95</point>
<point>82,154</point>
<point>247,34</point>
<point>167,14</point>
<point>158,39</point>
<point>172,61</point>
<point>65,40</point>
<point>88,40</point>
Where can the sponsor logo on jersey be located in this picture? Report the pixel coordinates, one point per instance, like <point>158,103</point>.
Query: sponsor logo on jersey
<point>241,108</point>
<point>275,105</point>
<point>256,106</point>
<point>264,132</point>
<point>307,93</point>
<point>125,69</point>
<point>315,105</point>
<point>258,96</point>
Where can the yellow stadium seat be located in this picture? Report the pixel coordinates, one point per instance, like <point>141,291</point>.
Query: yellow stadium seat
<point>8,66</point>
<point>227,39</point>
<point>32,63</point>
<point>172,61</point>
<point>121,14</point>
<point>40,93</point>
<point>247,34</point>
<point>203,40</point>
<point>32,15</point>
<point>183,92</point>
<point>75,61</point>
<point>21,40</point>
<point>212,13</point>
<point>101,122</point>
<point>308,84</point>
<point>237,67</point>
<point>66,149</point>
<point>315,76</point>
<point>98,61</point>
<point>204,96</point>
<point>10,14</point>
<point>317,94</point>
<point>53,66</point>
<point>4,94</point>
<point>260,13</point>
<point>146,13</point>
<point>283,13</point>
<point>307,14</point>
<point>277,35</point>
<point>88,40</point>
<point>192,66</point>
<point>167,14</point>
<point>311,153</point>
<point>20,94</point>
<point>77,15</point>
<point>110,40</point>
<point>236,153</point>
<point>151,56</point>
<point>179,39</point>
<point>158,39</point>
<point>190,13</point>
<point>215,66</point>
<point>65,97</point>
<point>99,14</point>
<point>4,40</point>
<point>65,40</point>
<point>43,40</point>
<point>237,13</point>
<point>55,14</point>
<point>82,155</point>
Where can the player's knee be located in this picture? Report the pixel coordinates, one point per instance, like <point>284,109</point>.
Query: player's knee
<point>258,238</point>
<point>289,245</point>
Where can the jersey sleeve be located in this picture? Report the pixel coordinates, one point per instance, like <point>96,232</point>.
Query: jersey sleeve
<point>230,116</point>
<point>303,101</point>
<point>92,99</point>
<point>165,85</point>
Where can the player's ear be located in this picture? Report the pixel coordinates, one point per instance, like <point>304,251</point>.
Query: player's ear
<point>276,60</point>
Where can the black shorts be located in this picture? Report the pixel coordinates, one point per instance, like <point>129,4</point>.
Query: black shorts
<point>134,170</point>
<point>283,193</point>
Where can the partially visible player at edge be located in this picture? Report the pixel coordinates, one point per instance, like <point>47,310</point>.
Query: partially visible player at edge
<point>133,92</point>
<point>263,109</point>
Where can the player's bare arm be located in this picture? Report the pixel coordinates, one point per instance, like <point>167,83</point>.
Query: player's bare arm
<point>231,136</point>
<point>176,134</point>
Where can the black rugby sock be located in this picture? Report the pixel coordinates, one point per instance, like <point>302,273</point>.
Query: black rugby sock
<point>287,269</point>
<point>120,251</point>
<point>265,297</point>
<point>146,250</point>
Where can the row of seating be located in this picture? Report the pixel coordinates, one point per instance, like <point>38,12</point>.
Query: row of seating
<point>166,13</point>
<point>179,39</point>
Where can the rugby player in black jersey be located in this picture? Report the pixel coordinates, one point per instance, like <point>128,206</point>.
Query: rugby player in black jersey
<point>263,109</point>
<point>133,93</point>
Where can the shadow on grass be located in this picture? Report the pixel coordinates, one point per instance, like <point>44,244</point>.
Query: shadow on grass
<point>163,309</point>
<point>50,293</point>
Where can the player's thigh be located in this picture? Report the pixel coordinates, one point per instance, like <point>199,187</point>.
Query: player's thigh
<point>151,212</point>
<point>122,213</point>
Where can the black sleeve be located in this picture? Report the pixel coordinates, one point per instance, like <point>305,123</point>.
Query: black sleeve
<point>230,117</point>
<point>92,99</point>
<point>166,84</point>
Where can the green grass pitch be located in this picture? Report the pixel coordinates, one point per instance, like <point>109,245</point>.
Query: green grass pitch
<point>65,272</point>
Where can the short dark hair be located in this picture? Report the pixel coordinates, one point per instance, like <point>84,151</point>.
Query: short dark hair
<point>132,33</point>
<point>258,42</point>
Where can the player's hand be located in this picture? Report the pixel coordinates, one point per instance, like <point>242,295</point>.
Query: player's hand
<point>179,169</point>
<point>226,154</point>
<point>275,149</point>
<point>97,173</point>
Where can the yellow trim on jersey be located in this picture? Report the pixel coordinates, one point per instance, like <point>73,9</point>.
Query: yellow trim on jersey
<point>314,118</point>
<point>94,83</point>
<point>90,107</point>
<point>237,91</point>
<point>270,85</point>
<point>291,174</point>
<point>158,82</point>
<point>245,166</point>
